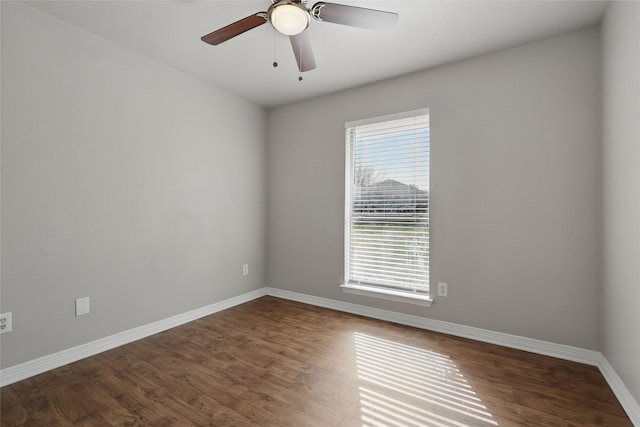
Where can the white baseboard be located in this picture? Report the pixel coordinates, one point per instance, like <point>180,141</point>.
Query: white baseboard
<point>46,363</point>
<point>560,351</point>
<point>43,364</point>
<point>631,407</point>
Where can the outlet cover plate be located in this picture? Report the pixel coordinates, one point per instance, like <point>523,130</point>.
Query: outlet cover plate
<point>82,306</point>
<point>5,322</point>
<point>443,289</point>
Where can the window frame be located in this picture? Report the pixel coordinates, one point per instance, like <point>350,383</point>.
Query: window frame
<point>377,291</point>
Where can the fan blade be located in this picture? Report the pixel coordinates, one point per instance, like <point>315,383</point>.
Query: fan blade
<point>302,50</point>
<point>235,29</point>
<point>360,17</point>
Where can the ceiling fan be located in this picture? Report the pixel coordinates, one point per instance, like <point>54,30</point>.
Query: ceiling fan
<point>292,17</point>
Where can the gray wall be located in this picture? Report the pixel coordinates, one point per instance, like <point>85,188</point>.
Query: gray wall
<point>515,189</point>
<point>621,191</point>
<point>122,180</point>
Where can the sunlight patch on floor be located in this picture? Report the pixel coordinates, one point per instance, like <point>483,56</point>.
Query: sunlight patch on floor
<point>405,386</point>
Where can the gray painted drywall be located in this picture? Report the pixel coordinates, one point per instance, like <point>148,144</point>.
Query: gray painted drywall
<point>621,190</point>
<point>122,180</point>
<point>514,187</point>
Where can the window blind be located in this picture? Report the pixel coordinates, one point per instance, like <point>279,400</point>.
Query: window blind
<point>387,202</point>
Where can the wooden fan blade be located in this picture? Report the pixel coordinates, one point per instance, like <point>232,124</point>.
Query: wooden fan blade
<point>370,19</point>
<point>302,50</point>
<point>235,29</point>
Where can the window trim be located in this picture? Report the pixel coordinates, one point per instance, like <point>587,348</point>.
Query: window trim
<point>388,294</point>
<point>386,118</point>
<point>405,296</point>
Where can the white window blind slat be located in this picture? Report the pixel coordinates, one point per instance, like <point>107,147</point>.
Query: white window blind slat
<point>387,202</point>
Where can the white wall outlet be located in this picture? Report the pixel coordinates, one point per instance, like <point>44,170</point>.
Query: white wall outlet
<point>245,269</point>
<point>5,322</point>
<point>82,306</point>
<point>443,289</point>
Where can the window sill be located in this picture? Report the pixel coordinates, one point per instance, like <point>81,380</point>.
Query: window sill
<point>388,294</point>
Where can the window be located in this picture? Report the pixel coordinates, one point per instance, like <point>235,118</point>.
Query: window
<point>387,206</point>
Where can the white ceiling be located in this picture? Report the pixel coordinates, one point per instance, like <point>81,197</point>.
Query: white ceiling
<point>428,33</point>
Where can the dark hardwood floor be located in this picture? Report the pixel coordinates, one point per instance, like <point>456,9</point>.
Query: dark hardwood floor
<point>272,362</point>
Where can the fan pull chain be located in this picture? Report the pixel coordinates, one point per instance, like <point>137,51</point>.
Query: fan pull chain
<point>275,48</point>
<point>301,60</point>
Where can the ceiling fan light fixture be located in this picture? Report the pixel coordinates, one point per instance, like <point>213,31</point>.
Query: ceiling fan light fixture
<point>288,17</point>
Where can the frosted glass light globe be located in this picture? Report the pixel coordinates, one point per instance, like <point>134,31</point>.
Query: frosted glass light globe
<point>289,18</point>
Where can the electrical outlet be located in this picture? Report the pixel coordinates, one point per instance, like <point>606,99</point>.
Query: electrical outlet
<point>442,289</point>
<point>245,269</point>
<point>82,306</point>
<point>5,322</point>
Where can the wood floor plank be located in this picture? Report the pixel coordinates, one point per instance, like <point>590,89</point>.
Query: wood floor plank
<point>12,410</point>
<point>142,377</point>
<point>41,408</point>
<point>273,362</point>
